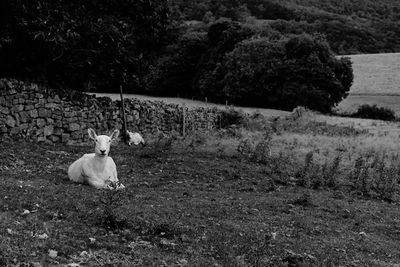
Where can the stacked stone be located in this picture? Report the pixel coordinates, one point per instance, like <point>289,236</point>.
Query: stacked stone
<point>31,112</point>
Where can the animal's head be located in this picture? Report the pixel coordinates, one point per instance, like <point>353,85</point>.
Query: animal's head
<point>102,142</point>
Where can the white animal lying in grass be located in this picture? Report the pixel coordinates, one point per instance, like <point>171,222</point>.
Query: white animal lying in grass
<point>97,169</point>
<point>134,138</point>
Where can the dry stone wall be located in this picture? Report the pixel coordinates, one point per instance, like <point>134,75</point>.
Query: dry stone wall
<point>28,111</point>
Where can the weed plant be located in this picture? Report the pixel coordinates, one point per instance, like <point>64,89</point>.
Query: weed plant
<point>376,175</point>
<point>112,199</point>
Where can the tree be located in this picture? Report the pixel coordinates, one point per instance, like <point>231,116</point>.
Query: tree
<point>174,72</point>
<point>71,43</point>
<point>283,74</point>
<point>223,35</point>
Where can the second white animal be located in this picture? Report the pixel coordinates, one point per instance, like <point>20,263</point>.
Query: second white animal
<point>97,168</point>
<point>135,138</point>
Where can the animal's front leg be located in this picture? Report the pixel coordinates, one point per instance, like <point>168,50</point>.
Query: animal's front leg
<point>114,184</point>
<point>96,183</point>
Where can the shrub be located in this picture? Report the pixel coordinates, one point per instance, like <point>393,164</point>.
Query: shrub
<point>262,150</point>
<point>174,72</point>
<point>282,74</point>
<point>376,175</point>
<point>197,139</point>
<point>246,147</point>
<point>165,142</point>
<point>258,122</point>
<point>374,112</point>
<point>305,174</point>
<point>223,36</point>
<point>312,175</point>
<point>330,172</point>
<point>231,117</point>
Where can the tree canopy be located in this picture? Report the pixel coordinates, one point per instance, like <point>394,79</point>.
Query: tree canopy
<point>267,53</point>
<point>81,43</point>
<point>254,67</point>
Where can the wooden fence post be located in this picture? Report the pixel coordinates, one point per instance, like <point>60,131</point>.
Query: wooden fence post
<point>124,128</point>
<point>184,119</point>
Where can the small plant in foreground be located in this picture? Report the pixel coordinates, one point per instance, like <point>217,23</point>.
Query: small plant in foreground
<point>304,174</point>
<point>111,198</point>
<point>329,173</point>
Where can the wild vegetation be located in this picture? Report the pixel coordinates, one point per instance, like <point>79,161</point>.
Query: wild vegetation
<point>301,190</point>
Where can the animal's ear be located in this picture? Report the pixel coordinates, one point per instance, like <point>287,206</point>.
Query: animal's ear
<point>114,135</point>
<point>92,134</point>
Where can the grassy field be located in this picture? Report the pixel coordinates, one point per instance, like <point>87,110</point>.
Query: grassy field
<point>311,191</point>
<point>315,191</point>
<point>376,81</point>
<point>376,74</point>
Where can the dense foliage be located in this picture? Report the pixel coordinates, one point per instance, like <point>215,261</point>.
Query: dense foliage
<point>81,44</point>
<point>247,66</point>
<point>374,112</point>
<point>256,52</point>
<point>350,26</point>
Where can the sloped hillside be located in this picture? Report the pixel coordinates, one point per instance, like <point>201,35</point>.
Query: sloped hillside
<point>351,27</point>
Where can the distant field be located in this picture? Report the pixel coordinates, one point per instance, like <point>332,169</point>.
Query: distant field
<point>352,102</point>
<point>376,74</point>
<point>376,81</point>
